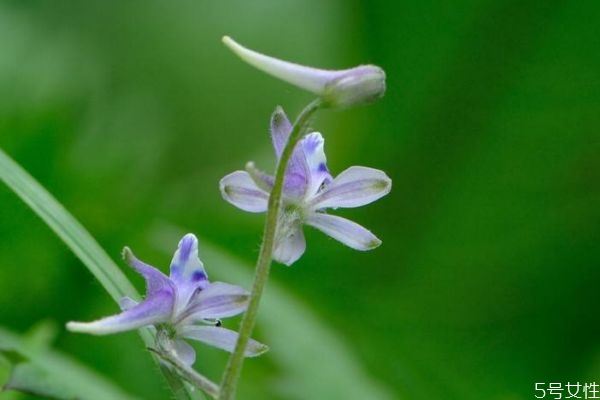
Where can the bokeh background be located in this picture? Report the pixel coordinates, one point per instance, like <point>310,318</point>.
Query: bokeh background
<point>487,280</point>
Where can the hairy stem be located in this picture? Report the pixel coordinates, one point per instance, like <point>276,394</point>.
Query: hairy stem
<point>189,374</point>
<point>265,257</point>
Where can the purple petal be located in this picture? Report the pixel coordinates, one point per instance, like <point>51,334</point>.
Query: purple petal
<point>354,187</point>
<point>221,338</point>
<point>314,153</point>
<point>290,248</point>
<point>296,182</point>
<point>280,130</point>
<point>186,266</point>
<point>349,233</point>
<point>262,180</point>
<point>127,303</point>
<point>154,310</point>
<point>239,189</point>
<point>155,280</point>
<point>217,300</point>
<point>297,173</point>
<point>187,271</point>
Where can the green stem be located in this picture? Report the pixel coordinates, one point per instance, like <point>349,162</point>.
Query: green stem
<point>189,374</point>
<point>265,257</point>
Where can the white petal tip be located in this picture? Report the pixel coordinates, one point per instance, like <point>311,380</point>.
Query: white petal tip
<point>385,185</point>
<point>189,238</point>
<point>127,255</point>
<point>80,327</point>
<point>373,244</point>
<point>256,350</point>
<point>287,263</point>
<point>232,45</point>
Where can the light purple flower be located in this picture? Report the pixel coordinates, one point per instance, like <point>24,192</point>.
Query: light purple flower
<point>337,88</point>
<point>309,190</point>
<point>184,305</point>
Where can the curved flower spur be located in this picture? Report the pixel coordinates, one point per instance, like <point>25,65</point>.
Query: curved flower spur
<point>340,88</point>
<point>184,305</point>
<point>309,190</point>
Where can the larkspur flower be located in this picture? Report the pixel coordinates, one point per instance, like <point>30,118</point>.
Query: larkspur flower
<point>184,305</point>
<point>337,88</point>
<point>309,189</point>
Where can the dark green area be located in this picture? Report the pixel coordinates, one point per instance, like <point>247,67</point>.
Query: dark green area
<point>487,279</point>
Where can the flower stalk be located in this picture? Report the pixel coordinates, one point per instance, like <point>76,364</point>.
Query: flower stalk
<point>188,373</point>
<point>265,257</point>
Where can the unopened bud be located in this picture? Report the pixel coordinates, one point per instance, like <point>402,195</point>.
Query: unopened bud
<point>337,88</point>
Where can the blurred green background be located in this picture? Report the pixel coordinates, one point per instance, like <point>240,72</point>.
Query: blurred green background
<point>487,280</point>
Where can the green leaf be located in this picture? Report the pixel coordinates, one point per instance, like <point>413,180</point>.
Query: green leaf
<point>5,366</point>
<point>50,374</point>
<point>28,378</point>
<point>81,242</point>
<point>316,362</point>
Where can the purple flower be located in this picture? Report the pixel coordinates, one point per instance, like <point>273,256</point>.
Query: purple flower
<point>184,305</point>
<point>337,88</point>
<point>309,190</point>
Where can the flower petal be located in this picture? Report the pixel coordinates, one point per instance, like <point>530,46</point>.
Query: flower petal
<point>281,128</point>
<point>221,338</point>
<point>348,232</point>
<point>290,248</point>
<point>313,147</point>
<point>354,187</point>
<point>155,280</point>
<point>153,310</point>
<point>187,271</point>
<point>262,180</point>
<point>185,265</point>
<point>239,189</point>
<point>127,303</point>
<point>183,351</point>
<point>218,300</point>
<point>297,172</point>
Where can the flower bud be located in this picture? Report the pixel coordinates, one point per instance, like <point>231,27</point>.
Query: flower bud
<point>337,88</point>
<point>356,86</point>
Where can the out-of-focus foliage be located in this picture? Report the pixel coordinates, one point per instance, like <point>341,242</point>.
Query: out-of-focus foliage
<point>486,282</point>
<point>41,371</point>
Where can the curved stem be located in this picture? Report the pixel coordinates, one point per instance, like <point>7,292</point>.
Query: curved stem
<point>265,257</point>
